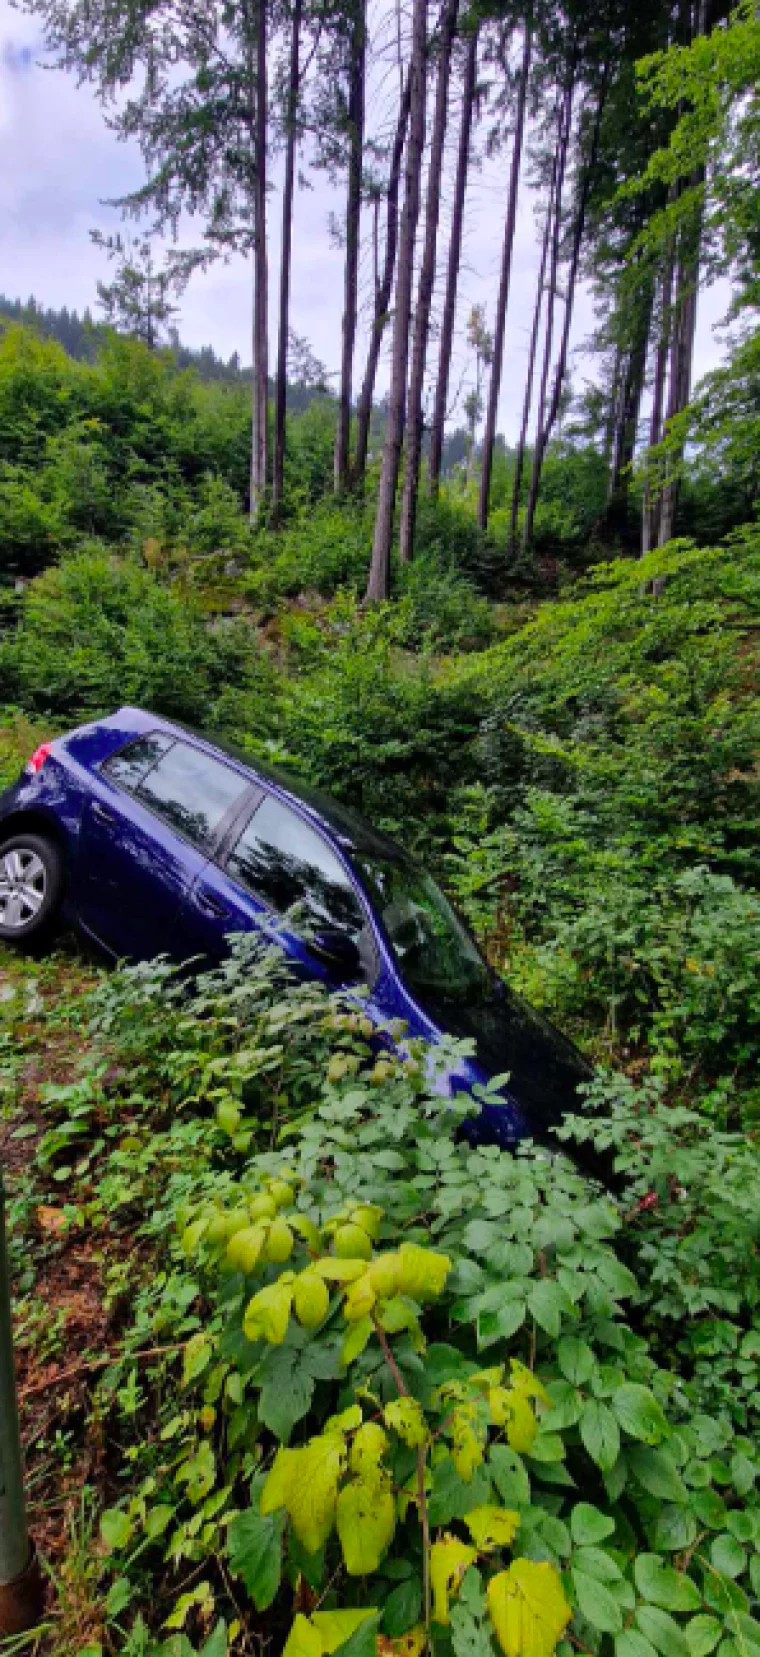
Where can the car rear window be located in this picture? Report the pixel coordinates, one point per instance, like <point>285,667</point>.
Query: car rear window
<point>192,791</point>
<point>130,764</point>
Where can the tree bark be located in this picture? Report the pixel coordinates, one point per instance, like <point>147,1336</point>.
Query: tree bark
<point>414,429</point>
<point>356,95</point>
<point>440,407</point>
<point>625,420</point>
<point>381,548</point>
<point>383,291</point>
<point>259,446</point>
<point>281,388</point>
<point>489,433</point>
<point>650,515</point>
<point>563,146</point>
<point>531,370</point>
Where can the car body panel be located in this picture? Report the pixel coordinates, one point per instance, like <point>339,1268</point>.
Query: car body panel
<point>141,887</point>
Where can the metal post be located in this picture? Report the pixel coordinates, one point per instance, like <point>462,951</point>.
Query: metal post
<point>21,1590</point>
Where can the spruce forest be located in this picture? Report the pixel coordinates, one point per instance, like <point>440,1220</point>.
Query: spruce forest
<point>301,1371</point>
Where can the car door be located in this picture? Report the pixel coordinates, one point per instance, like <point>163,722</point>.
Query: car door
<point>157,812</point>
<point>278,875</point>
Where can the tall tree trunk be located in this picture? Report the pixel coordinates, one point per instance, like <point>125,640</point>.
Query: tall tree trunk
<point>531,370</point>
<point>440,407</point>
<point>538,450</point>
<point>383,290</point>
<point>650,515</point>
<point>626,414</point>
<point>259,446</point>
<point>353,224</point>
<point>281,388</point>
<point>414,427</point>
<point>489,433</point>
<point>394,432</point>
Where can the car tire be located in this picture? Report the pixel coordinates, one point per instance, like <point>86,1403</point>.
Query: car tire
<point>31,887</point>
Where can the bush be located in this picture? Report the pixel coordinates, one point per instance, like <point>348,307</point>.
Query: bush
<point>99,631</point>
<point>408,1381</point>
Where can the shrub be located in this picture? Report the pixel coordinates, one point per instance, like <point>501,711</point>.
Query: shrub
<point>410,1394</point>
<point>98,631</point>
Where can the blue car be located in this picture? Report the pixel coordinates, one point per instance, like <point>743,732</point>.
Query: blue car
<point>153,840</point>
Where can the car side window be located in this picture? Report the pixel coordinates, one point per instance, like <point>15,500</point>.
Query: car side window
<point>130,764</point>
<point>283,861</point>
<point>192,791</point>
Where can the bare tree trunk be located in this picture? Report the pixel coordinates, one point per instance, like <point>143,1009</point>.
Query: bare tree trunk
<point>440,407</point>
<point>259,446</point>
<point>532,351</point>
<point>626,414</point>
<point>489,433</point>
<point>538,450</point>
<point>281,388</point>
<point>394,432</point>
<point>650,515</point>
<point>682,355</point>
<point>383,291</point>
<point>353,225</point>
<point>414,426</point>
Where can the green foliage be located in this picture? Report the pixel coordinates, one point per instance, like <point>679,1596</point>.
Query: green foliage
<point>98,631</point>
<point>408,1371</point>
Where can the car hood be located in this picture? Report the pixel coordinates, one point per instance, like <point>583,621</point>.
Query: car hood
<point>544,1069</point>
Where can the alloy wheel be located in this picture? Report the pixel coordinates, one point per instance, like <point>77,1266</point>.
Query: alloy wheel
<point>23,885</point>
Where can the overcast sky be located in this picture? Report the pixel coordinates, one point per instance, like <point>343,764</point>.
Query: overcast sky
<point>62,163</point>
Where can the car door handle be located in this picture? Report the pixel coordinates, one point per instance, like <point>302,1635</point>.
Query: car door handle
<point>209,904</point>
<point>103,813</point>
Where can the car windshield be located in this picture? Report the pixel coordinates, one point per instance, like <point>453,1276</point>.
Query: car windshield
<point>436,954</point>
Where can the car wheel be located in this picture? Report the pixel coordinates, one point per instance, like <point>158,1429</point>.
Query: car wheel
<point>31,887</point>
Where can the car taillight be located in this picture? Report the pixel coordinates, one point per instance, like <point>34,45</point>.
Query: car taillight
<point>38,758</point>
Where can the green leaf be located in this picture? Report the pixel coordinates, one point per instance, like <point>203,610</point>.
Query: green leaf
<point>216,1644</point>
<point>363,1641</point>
<point>510,1476</point>
<point>600,1433</point>
<point>470,1636</point>
<point>588,1525</point>
<point>660,1629</point>
<point>676,1528</point>
<point>639,1413</point>
<point>661,1585</point>
<point>451,1497</point>
<point>288,1375</point>
<point>115,1528</point>
<point>658,1474</point>
<point>197,1356</point>
<point>728,1555</point>
<point>597,1603</point>
<point>403,1607</point>
<point>576,1360</point>
<point>703,1634</point>
<point>255,1554</point>
<point>632,1644</point>
<point>119,1596</point>
<point>548,1304</point>
<point>366,1520</point>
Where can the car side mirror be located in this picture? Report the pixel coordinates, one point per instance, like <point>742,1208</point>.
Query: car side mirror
<point>338,951</point>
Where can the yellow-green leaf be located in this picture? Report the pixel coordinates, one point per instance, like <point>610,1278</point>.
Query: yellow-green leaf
<point>303,1640</point>
<point>466,1448</point>
<point>422,1272</point>
<point>449,1559</point>
<point>335,1627</point>
<point>528,1609</point>
<point>360,1299</point>
<point>339,1271</point>
<point>368,1448</point>
<point>357,1336</point>
<point>491,1527</point>
<point>523,1380</point>
<point>276,1492</point>
<point>313,1489</point>
<point>311,1299</point>
<point>268,1314</point>
<point>366,1519</point>
<point>406,1418</point>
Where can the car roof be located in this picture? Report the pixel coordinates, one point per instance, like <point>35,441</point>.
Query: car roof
<point>350,828</point>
